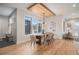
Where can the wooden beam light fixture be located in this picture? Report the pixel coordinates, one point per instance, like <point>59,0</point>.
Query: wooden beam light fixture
<point>40,8</point>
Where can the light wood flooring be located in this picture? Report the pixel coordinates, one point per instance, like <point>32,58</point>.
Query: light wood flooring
<point>57,47</point>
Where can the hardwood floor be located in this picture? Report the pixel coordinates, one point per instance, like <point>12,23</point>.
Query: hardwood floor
<point>58,47</point>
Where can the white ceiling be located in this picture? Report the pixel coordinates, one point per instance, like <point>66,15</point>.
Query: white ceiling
<point>7,8</point>
<point>16,5</point>
<point>57,8</point>
<point>5,11</point>
<point>63,8</point>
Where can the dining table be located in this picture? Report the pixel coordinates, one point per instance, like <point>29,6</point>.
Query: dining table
<point>39,37</point>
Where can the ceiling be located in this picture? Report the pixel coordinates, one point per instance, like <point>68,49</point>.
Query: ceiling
<point>5,11</point>
<point>64,8</point>
<point>57,8</point>
<point>7,8</point>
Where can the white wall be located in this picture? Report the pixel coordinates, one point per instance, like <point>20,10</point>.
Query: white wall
<point>21,37</point>
<point>3,26</point>
<point>59,20</point>
<point>74,29</point>
<point>20,26</point>
<point>59,25</point>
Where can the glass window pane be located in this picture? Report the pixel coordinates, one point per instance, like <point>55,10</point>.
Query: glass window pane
<point>27,25</point>
<point>39,27</point>
<point>32,25</point>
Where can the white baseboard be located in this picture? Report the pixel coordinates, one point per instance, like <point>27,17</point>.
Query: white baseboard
<point>22,41</point>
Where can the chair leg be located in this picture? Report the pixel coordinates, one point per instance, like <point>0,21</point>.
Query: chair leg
<point>49,41</point>
<point>30,43</point>
<point>34,44</point>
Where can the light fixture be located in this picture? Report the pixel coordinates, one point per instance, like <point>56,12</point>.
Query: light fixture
<point>39,8</point>
<point>43,22</point>
<point>74,5</point>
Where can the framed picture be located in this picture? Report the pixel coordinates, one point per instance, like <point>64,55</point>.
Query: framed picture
<point>53,26</point>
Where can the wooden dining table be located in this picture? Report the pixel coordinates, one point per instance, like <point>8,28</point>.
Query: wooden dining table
<point>39,37</point>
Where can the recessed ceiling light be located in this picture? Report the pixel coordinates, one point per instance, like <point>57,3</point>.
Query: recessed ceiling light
<point>74,5</point>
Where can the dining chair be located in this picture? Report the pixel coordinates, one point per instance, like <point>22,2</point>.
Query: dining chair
<point>49,38</point>
<point>33,40</point>
<point>43,39</point>
<point>52,36</point>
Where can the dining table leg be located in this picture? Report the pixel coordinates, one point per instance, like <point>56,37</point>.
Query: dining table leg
<point>39,39</point>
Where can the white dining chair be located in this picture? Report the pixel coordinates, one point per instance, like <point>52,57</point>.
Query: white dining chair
<point>49,38</point>
<point>42,39</point>
<point>33,40</point>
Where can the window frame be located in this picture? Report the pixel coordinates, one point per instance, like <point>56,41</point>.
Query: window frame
<point>25,24</point>
<point>32,31</point>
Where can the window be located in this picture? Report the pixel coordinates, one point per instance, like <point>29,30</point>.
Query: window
<point>39,27</point>
<point>27,25</point>
<point>36,25</point>
<point>32,25</point>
